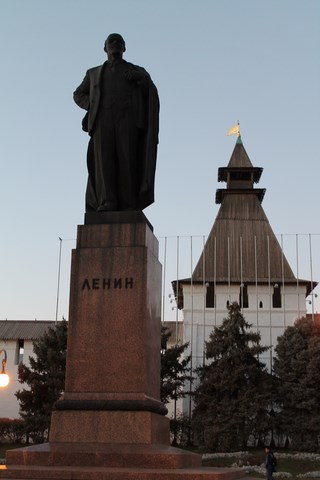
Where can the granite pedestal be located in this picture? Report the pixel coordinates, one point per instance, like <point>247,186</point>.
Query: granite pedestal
<point>110,423</point>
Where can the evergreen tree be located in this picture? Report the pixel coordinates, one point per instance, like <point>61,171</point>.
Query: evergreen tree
<point>45,378</point>
<point>234,393</point>
<point>175,373</point>
<point>297,368</point>
<point>175,370</point>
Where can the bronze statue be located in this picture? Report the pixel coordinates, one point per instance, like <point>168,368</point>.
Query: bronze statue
<point>123,121</point>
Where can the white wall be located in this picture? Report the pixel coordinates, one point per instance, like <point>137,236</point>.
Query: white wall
<point>270,322</point>
<point>9,405</point>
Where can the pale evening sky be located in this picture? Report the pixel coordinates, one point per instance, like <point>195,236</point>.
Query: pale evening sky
<point>214,62</point>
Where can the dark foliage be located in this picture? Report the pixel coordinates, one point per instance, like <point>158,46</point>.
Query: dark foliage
<point>180,429</point>
<point>45,378</point>
<point>12,431</point>
<point>234,393</point>
<point>175,369</point>
<point>297,369</point>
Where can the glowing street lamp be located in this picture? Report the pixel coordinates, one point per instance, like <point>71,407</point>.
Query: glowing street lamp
<point>4,378</point>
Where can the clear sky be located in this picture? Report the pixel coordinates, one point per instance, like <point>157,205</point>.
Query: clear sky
<point>214,62</point>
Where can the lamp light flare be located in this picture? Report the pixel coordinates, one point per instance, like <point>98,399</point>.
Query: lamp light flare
<point>4,379</point>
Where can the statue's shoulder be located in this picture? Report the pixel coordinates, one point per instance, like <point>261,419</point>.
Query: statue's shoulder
<point>137,67</point>
<point>95,71</point>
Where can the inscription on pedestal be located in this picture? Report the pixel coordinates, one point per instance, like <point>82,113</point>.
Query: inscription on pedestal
<point>107,283</point>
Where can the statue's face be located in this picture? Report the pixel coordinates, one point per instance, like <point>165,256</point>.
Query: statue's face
<point>114,44</point>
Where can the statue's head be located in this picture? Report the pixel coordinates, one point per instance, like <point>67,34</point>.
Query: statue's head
<point>115,44</point>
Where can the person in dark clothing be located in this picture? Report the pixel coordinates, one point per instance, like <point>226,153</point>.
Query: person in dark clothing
<point>122,120</point>
<point>270,463</point>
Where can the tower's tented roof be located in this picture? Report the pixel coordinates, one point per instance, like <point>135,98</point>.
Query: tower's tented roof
<point>241,247</point>
<point>239,157</point>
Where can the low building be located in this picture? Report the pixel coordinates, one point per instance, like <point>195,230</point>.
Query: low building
<point>16,338</point>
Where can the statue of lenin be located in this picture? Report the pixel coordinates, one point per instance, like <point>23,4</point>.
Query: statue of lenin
<point>122,120</point>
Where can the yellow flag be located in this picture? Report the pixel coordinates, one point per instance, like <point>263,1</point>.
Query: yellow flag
<point>235,130</point>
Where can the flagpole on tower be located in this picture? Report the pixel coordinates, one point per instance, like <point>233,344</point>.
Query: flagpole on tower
<point>235,130</point>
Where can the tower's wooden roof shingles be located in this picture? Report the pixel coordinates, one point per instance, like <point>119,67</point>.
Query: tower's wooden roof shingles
<point>242,246</point>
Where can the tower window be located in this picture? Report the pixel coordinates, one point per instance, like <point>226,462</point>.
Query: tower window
<point>210,296</point>
<point>243,296</point>
<point>240,175</point>
<point>276,296</point>
<point>19,351</point>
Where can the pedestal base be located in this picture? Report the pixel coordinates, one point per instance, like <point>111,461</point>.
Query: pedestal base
<point>92,461</point>
<point>85,473</point>
<point>109,427</point>
<point>102,456</point>
<point>107,445</point>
